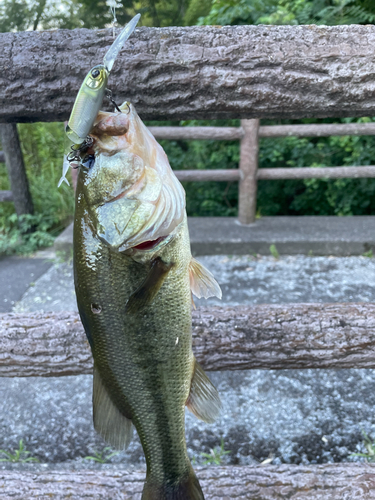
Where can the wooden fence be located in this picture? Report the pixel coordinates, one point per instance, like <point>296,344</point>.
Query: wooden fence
<point>224,338</point>
<point>247,173</point>
<point>206,73</point>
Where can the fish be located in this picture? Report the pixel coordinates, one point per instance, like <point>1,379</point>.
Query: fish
<point>134,278</point>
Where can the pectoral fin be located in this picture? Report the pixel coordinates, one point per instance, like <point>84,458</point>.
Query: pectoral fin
<point>109,422</point>
<point>202,282</point>
<point>204,400</point>
<point>146,293</point>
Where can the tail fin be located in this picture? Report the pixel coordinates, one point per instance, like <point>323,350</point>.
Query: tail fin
<point>187,488</point>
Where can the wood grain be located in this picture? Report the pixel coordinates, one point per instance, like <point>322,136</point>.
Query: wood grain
<point>224,338</point>
<point>196,72</point>
<point>270,482</point>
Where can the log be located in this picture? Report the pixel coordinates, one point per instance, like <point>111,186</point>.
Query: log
<point>196,72</point>
<point>208,175</point>
<point>224,338</point>
<point>316,173</point>
<point>200,133</point>
<point>317,129</point>
<point>269,482</point>
<point>15,166</point>
<point>6,196</point>
<point>266,131</point>
<point>279,173</point>
<point>248,168</point>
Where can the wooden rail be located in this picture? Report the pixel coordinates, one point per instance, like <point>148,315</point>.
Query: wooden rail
<point>224,338</point>
<point>236,133</point>
<point>197,72</point>
<point>268,482</point>
<point>248,173</point>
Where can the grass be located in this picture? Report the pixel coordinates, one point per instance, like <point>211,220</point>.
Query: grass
<point>102,457</point>
<point>19,456</point>
<point>368,254</point>
<point>216,455</point>
<point>370,447</point>
<point>275,254</point>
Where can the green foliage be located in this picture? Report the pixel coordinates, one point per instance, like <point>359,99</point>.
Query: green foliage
<point>43,143</point>
<point>42,146</point>
<point>369,254</point>
<point>196,9</point>
<point>21,15</point>
<point>216,455</point>
<point>369,444</point>
<point>103,456</point>
<point>282,197</point>
<point>19,456</point>
<point>328,12</point>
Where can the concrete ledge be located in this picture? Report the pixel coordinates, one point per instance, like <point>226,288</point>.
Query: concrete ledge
<point>63,244</point>
<point>291,235</point>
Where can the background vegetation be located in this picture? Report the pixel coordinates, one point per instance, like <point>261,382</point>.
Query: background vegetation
<point>43,143</point>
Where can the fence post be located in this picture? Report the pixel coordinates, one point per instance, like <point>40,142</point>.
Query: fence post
<point>16,169</point>
<point>249,148</point>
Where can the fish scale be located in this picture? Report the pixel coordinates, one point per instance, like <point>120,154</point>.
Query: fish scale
<point>134,275</point>
<point>144,342</point>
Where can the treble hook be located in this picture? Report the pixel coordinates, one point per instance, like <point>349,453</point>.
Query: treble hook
<point>75,153</point>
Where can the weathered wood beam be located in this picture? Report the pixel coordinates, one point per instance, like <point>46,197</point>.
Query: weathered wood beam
<point>224,338</point>
<point>196,72</point>
<point>269,482</point>
<point>316,173</point>
<point>200,133</point>
<point>236,133</point>
<point>6,196</point>
<point>279,173</point>
<point>208,175</point>
<point>317,129</point>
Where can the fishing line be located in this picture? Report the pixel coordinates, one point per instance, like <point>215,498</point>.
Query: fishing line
<point>112,8</point>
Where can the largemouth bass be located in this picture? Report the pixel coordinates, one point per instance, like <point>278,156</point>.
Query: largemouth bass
<point>134,275</point>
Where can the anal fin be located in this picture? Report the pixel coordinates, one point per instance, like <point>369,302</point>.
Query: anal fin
<point>204,400</point>
<point>109,422</point>
<point>202,282</point>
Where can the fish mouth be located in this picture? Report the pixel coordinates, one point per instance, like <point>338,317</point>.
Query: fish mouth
<point>148,245</point>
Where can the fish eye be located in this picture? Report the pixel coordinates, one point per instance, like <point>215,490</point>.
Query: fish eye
<point>95,73</point>
<point>88,161</point>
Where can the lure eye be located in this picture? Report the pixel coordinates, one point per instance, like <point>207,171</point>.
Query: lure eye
<point>95,73</point>
<point>88,162</point>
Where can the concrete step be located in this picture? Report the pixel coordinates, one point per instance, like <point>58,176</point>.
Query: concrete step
<point>308,235</point>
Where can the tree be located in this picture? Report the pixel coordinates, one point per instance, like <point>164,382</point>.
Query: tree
<point>328,12</point>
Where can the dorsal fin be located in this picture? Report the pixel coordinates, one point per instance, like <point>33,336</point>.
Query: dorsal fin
<point>202,282</point>
<point>109,422</point>
<point>204,400</point>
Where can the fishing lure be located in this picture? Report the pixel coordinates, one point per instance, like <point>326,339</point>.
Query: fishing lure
<point>90,98</point>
